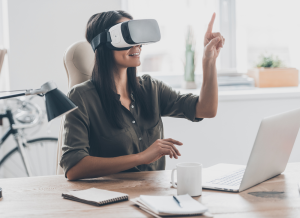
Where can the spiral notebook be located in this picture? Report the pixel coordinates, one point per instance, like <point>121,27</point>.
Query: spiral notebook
<point>95,196</point>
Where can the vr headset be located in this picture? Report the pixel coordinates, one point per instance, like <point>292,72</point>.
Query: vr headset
<point>123,36</point>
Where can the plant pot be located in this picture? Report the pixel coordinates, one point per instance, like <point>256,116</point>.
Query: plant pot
<point>274,77</point>
<point>189,85</point>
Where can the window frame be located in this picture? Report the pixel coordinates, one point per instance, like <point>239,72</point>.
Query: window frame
<point>228,30</point>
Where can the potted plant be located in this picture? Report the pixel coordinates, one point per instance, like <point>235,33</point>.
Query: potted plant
<point>270,72</point>
<point>189,64</point>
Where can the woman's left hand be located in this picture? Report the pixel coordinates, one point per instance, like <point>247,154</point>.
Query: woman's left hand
<point>213,42</point>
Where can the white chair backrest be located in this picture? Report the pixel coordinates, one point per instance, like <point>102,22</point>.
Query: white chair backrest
<point>2,55</point>
<point>79,62</point>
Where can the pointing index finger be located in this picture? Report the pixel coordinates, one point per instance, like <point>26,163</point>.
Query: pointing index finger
<point>211,23</point>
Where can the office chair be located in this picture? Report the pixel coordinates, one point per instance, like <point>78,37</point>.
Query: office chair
<point>79,62</point>
<point>2,55</point>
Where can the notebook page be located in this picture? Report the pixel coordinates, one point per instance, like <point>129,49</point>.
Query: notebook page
<point>167,204</point>
<point>143,207</point>
<point>96,195</point>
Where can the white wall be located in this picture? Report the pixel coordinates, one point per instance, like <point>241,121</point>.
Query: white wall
<point>1,24</point>
<point>229,137</point>
<point>39,33</point>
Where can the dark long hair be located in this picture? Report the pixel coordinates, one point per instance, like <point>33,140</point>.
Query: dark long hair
<point>102,76</point>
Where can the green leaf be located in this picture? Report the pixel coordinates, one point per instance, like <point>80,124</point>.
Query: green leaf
<point>269,61</point>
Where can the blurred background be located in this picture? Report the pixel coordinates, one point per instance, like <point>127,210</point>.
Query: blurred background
<point>259,33</point>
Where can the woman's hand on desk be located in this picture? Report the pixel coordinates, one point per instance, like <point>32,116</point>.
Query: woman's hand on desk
<point>160,148</point>
<point>90,167</point>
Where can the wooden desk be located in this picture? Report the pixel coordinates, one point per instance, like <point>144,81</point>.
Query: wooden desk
<point>41,196</point>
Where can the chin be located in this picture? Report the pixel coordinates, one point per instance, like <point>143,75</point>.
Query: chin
<point>135,64</point>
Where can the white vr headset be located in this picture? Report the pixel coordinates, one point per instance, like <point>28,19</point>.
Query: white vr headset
<point>125,35</point>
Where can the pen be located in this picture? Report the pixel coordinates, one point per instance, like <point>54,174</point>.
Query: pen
<point>177,201</point>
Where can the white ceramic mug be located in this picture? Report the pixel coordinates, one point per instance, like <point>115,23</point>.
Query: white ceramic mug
<point>189,179</point>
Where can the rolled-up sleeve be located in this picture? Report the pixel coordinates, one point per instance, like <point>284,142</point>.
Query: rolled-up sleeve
<point>174,104</point>
<point>76,133</point>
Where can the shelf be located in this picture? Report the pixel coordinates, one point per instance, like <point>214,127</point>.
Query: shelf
<point>252,94</point>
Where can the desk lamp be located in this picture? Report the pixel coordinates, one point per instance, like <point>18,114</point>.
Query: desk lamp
<point>57,103</point>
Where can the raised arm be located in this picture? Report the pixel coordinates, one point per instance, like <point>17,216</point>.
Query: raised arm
<point>207,104</point>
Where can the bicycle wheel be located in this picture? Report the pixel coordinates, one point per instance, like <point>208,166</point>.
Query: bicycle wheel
<point>41,153</point>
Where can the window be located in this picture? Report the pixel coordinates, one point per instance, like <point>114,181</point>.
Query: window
<point>251,28</point>
<point>174,17</point>
<point>267,26</point>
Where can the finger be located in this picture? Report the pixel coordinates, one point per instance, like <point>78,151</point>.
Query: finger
<point>213,42</point>
<point>220,44</point>
<point>220,36</point>
<point>211,23</point>
<point>170,152</point>
<point>218,51</point>
<point>223,40</point>
<point>172,145</point>
<point>171,149</point>
<point>216,34</point>
<point>173,141</point>
<point>167,151</point>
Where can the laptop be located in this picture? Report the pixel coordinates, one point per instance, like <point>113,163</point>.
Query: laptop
<point>269,156</point>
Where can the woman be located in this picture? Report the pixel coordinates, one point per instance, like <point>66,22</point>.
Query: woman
<point>117,126</point>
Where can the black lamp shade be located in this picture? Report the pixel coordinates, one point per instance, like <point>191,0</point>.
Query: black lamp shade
<point>58,104</point>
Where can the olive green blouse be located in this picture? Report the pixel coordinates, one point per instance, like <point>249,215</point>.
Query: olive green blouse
<point>87,131</point>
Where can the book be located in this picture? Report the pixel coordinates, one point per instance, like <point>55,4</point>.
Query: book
<point>95,196</point>
<point>167,206</point>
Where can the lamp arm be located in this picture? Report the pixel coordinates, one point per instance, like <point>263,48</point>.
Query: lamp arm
<point>47,87</point>
<point>12,96</point>
<point>34,92</point>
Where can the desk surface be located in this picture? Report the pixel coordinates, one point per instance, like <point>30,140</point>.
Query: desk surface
<point>41,196</point>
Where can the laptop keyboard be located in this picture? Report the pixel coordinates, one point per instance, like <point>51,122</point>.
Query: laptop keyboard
<point>233,179</point>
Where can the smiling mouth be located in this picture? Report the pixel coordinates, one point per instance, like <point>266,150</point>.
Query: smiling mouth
<point>134,54</point>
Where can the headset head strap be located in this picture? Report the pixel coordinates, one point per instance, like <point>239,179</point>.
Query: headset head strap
<point>100,39</point>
